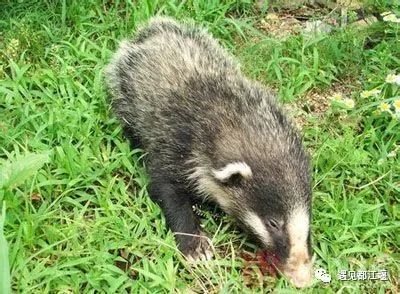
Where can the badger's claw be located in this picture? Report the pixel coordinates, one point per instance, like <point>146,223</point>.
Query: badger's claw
<point>199,249</point>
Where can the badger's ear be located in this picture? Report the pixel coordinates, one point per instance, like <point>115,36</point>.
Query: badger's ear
<point>232,172</point>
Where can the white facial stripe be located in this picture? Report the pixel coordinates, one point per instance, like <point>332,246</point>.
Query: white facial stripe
<point>299,265</point>
<point>233,168</point>
<point>258,227</point>
<point>298,227</point>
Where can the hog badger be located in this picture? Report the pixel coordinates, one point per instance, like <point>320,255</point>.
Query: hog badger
<point>210,132</point>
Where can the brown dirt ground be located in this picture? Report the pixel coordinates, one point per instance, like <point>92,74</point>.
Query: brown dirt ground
<point>316,103</point>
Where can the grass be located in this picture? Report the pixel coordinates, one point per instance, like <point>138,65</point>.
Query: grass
<point>78,218</point>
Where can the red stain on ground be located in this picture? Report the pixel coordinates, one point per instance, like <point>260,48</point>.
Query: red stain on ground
<point>265,261</point>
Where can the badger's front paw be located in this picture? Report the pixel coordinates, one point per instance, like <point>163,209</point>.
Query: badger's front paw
<point>196,247</point>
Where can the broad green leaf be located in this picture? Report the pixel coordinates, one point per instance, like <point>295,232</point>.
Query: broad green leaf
<point>14,172</point>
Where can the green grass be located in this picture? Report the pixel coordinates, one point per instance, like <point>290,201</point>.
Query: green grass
<point>78,218</point>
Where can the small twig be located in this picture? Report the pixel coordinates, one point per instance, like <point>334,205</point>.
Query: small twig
<point>195,235</point>
<point>188,234</point>
<point>370,183</point>
<point>374,181</point>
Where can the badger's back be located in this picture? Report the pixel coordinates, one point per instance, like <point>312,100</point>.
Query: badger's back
<point>160,63</point>
<point>182,94</point>
<point>162,82</point>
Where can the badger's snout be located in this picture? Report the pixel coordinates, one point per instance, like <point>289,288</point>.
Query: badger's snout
<point>298,269</point>
<point>298,265</point>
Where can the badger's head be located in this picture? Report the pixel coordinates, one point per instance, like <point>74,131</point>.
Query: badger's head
<point>270,196</point>
<point>274,205</point>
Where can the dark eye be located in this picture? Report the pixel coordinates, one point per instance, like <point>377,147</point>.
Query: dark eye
<point>273,224</point>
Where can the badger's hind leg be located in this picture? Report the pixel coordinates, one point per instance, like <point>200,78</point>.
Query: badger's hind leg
<point>176,204</point>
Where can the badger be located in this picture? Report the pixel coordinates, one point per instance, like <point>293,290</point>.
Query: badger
<point>211,133</point>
